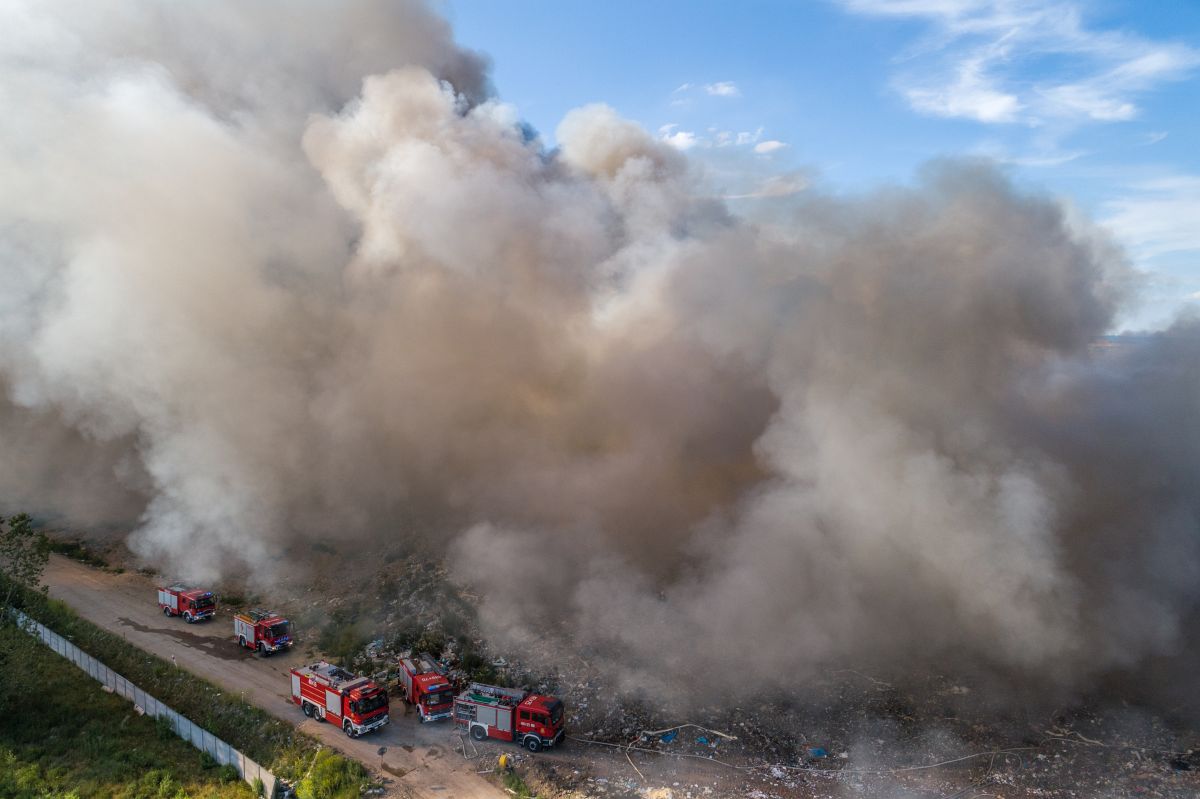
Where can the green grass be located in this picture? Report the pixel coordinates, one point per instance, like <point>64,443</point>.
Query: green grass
<point>332,777</point>
<point>275,744</point>
<point>513,782</point>
<point>71,739</point>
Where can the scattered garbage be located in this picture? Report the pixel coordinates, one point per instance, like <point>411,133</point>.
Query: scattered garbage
<point>670,736</point>
<point>816,751</point>
<point>700,739</point>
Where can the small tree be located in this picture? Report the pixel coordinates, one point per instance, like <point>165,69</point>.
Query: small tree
<point>24,553</point>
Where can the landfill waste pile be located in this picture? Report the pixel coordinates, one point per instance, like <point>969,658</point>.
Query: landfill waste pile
<point>854,733</point>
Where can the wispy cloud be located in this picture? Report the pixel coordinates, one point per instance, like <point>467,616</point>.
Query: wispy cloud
<point>1157,217</point>
<point>687,139</point>
<point>769,146</point>
<point>1025,61</point>
<point>725,88</point>
<point>1046,155</point>
<point>1153,137</point>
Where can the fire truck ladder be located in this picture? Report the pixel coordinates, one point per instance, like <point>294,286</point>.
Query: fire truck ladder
<point>494,694</point>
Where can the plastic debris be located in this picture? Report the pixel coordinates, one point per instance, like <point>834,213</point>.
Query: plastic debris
<point>669,736</point>
<point>700,739</point>
<point>817,751</point>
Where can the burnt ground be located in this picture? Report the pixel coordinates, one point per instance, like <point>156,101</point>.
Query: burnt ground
<point>854,735</point>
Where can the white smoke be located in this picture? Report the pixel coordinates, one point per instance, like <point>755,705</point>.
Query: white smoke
<point>284,271</point>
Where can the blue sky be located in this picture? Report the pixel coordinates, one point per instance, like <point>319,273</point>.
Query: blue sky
<point>1098,102</point>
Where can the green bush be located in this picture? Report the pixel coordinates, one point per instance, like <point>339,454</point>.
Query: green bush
<point>513,782</point>
<point>431,641</point>
<point>166,730</point>
<point>77,550</point>
<point>341,642</point>
<point>332,777</point>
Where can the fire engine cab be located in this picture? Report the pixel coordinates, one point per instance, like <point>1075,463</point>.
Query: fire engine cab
<point>329,693</point>
<point>194,604</point>
<point>426,686</point>
<point>263,631</point>
<point>489,711</point>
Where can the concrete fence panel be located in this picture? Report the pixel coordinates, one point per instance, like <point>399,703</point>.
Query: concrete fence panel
<point>194,734</point>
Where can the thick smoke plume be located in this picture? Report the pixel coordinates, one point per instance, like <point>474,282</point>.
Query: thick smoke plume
<point>281,271</point>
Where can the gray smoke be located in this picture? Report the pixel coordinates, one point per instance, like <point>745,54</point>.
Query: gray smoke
<point>284,272</point>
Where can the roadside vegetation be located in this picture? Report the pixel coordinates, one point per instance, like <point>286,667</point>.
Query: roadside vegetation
<point>78,550</point>
<point>71,739</point>
<point>318,773</point>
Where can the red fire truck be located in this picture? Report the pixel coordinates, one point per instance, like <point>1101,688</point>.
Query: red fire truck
<point>489,711</point>
<point>328,693</point>
<point>426,686</point>
<point>263,631</point>
<point>194,604</point>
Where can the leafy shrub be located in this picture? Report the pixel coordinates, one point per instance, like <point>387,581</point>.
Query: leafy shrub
<point>513,782</point>
<point>431,641</point>
<point>332,777</point>
<point>77,550</point>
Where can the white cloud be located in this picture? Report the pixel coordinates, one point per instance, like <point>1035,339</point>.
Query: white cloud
<point>746,137</point>
<point>679,139</point>
<point>970,95</point>
<point>769,146</point>
<point>683,87</point>
<point>725,88</point>
<point>1158,216</point>
<point>1027,61</point>
<point>1154,137</point>
<point>686,139</point>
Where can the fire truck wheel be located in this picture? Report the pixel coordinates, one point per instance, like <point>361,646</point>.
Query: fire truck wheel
<point>533,743</point>
<point>307,708</point>
<point>187,617</point>
<point>478,733</point>
<point>166,611</point>
<point>262,650</point>
<point>349,730</point>
<point>242,641</point>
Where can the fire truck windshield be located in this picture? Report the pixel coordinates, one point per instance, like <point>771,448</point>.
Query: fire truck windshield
<point>280,630</point>
<point>439,698</point>
<point>203,602</point>
<point>371,703</point>
<point>556,713</point>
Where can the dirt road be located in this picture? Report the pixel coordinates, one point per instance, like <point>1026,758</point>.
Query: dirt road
<point>418,760</point>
